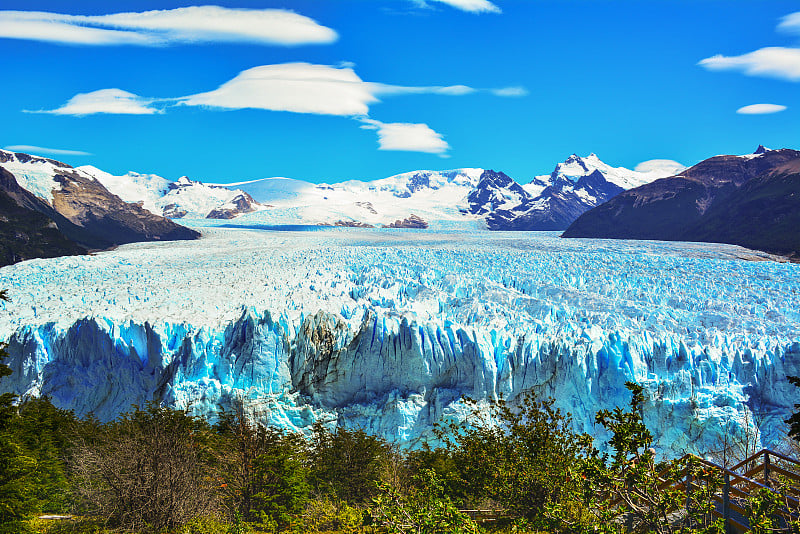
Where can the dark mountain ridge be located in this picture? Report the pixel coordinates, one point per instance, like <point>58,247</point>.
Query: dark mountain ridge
<point>752,201</point>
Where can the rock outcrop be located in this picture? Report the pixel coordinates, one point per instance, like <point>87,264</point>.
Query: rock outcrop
<point>412,221</point>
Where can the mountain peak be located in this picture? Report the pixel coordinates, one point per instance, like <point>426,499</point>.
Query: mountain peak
<point>761,150</point>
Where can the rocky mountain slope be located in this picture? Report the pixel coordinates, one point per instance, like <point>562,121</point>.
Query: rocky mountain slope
<point>27,226</point>
<point>751,200</point>
<point>84,211</point>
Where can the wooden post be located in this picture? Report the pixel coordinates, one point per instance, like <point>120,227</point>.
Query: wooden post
<point>726,503</point>
<point>689,499</point>
<point>766,468</point>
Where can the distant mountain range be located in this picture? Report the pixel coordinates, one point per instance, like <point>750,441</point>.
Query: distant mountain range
<point>482,197</point>
<point>552,202</point>
<point>475,197</point>
<point>751,200</point>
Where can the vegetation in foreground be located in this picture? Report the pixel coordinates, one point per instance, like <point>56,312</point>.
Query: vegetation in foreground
<point>160,470</point>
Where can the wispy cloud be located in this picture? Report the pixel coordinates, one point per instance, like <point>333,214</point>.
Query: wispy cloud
<point>774,62</point>
<point>111,101</point>
<point>31,149</point>
<point>771,62</point>
<point>660,168</point>
<point>407,137</point>
<point>510,91</point>
<point>449,90</point>
<point>471,6</point>
<point>194,24</point>
<point>790,23</point>
<point>760,109</point>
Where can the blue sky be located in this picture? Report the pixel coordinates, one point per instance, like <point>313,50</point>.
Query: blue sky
<point>329,90</point>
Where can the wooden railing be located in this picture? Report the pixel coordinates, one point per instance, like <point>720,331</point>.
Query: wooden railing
<point>759,471</point>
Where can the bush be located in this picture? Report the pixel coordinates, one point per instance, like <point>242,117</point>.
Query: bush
<point>263,471</point>
<point>349,464</point>
<point>327,515</point>
<point>425,509</point>
<point>521,457</point>
<point>151,468</point>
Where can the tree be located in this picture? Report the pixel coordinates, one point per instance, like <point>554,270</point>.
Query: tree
<point>633,490</point>
<point>45,433</point>
<point>151,468</point>
<point>17,500</point>
<point>264,472</point>
<point>348,464</point>
<point>794,420</point>
<point>520,456</point>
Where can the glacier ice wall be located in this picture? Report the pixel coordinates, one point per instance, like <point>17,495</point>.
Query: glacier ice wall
<point>387,331</point>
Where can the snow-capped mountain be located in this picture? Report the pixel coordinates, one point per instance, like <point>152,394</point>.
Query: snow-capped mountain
<point>495,191</point>
<point>430,195</point>
<point>461,196</point>
<point>468,197</point>
<point>576,167</point>
<point>553,201</point>
<point>81,208</point>
<point>178,199</point>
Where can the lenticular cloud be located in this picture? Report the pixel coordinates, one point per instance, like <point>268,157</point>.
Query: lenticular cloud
<point>194,24</point>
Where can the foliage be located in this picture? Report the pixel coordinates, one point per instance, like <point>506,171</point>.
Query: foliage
<point>426,509</point>
<point>17,489</point>
<point>327,515</point>
<point>633,493</point>
<point>45,433</point>
<point>794,420</point>
<point>151,468</point>
<point>348,464</point>
<point>263,471</point>
<point>520,456</point>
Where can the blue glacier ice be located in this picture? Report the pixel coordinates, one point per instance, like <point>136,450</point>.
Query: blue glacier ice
<point>388,330</point>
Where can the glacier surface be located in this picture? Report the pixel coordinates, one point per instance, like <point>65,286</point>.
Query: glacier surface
<point>387,330</point>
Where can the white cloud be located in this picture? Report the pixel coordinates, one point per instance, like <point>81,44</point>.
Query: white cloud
<point>790,23</point>
<point>472,6</point>
<point>660,168</point>
<point>773,62</point>
<point>510,91</point>
<point>14,26</point>
<point>194,24</point>
<point>407,137</point>
<point>114,101</point>
<point>320,89</point>
<point>31,149</point>
<point>449,90</point>
<point>296,87</point>
<point>760,109</point>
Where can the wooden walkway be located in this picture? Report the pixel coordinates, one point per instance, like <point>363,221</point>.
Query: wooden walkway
<point>766,469</point>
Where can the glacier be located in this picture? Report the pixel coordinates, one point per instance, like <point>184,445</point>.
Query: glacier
<point>389,330</point>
